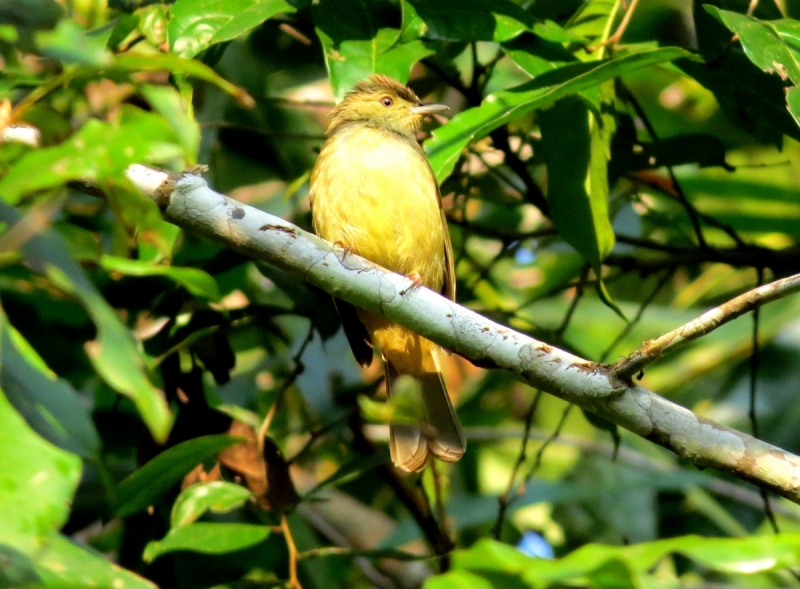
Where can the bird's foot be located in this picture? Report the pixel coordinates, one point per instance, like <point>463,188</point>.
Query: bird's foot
<point>347,249</point>
<point>416,282</point>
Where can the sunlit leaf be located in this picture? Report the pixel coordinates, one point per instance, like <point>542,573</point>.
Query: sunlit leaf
<point>132,62</point>
<point>357,44</point>
<point>774,46</point>
<point>215,496</point>
<point>754,100</point>
<point>194,26</point>
<point>196,281</point>
<point>577,188</point>
<point>447,143</point>
<point>207,538</point>
<point>593,19</point>
<point>115,357</point>
<point>168,103</point>
<point>793,103</point>
<point>97,151</point>
<point>64,564</point>
<point>69,43</point>
<point>536,54</point>
<point>37,481</point>
<point>621,566</point>
<point>49,404</point>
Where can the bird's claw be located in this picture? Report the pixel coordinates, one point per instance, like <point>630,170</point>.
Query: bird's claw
<point>347,249</point>
<point>416,282</point>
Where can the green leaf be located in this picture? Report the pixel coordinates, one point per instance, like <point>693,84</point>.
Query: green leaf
<point>69,43</point>
<point>196,281</point>
<point>64,564</point>
<point>468,580</point>
<point>49,404</point>
<point>536,55</point>
<point>153,23</point>
<point>593,20</point>
<point>690,148</point>
<point>151,482</point>
<point>774,46</point>
<point>348,471</point>
<point>174,64</point>
<point>195,26</point>
<point>37,482</point>
<point>713,38</point>
<point>113,354</point>
<point>116,358</point>
<point>31,14</point>
<point>447,143</point>
<point>793,103</point>
<point>730,187</point>
<point>97,151</point>
<point>216,496</point>
<point>357,45</point>
<point>207,538</point>
<point>167,102</point>
<point>752,99</point>
<point>622,566</point>
<point>472,20</point>
<point>577,188</point>
<point>747,206</point>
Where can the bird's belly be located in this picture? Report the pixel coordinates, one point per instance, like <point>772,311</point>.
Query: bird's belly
<point>385,207</point>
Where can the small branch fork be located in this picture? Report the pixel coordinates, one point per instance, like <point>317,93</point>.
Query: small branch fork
<point>626,368</point>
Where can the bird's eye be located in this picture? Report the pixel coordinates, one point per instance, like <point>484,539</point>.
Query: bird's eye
<point>387,101</point>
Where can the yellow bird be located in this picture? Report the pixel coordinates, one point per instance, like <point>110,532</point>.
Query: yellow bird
<point>374,193</point>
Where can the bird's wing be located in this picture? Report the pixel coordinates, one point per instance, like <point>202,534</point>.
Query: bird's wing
<point>357,335</point>
<point>449,284</point>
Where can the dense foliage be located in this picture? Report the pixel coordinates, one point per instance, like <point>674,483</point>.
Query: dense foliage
<point>610,170</point>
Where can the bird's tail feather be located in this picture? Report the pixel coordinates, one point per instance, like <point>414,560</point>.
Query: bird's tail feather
<point>441,433</point>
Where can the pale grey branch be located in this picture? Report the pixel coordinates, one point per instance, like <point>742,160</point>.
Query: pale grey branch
<point>188,202</point>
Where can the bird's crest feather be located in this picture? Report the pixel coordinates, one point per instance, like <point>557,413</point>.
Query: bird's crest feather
<point>379,82</point>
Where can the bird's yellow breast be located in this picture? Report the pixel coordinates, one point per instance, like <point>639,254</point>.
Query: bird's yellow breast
<point>373,191</point>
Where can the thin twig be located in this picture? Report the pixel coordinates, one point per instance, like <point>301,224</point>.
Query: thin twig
<point>705,324</point>
<point>503,500</point>
<point>412,501</point>
<point>343,543</point>
<point>502,234</point>
<point>615,38</point>
<point>495,170</point>
<point>318,433</point>
<point>264,132</point>
<point>755,362</point>
<point>294,583</point>
<point>694,217</point>
<point>558,336</point>
<point>537,461</point>
<point>325,551</point>
<point>290,380</point>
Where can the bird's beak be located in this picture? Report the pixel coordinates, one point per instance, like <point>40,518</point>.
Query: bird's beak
<point>428,108</point>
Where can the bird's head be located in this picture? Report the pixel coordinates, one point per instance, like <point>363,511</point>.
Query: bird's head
<point>383,102</point>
